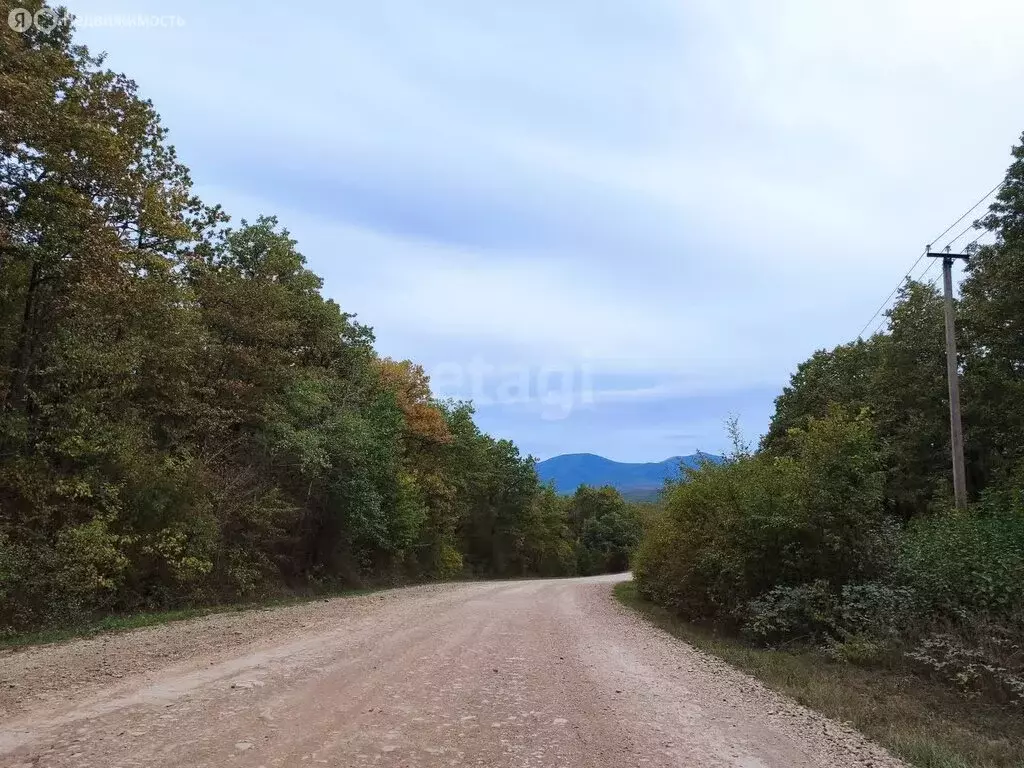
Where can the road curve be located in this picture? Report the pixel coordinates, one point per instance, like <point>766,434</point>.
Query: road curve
<point>525,674</point>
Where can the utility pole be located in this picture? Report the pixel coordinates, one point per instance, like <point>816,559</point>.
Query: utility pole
<point>953,376</point>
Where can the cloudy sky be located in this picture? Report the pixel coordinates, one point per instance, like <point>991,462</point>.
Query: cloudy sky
<point>612,224</point>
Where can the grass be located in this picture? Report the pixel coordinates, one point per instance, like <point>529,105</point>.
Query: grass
<point>127,622</point>
<point>925,723</point>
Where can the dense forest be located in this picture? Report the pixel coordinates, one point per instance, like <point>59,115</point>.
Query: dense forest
<point>839,530</point>
<point>186,419</point>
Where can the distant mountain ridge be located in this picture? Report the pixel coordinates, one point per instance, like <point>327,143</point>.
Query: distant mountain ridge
<point>637,481</point>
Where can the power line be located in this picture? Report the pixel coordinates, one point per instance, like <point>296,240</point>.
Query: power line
<point>931,283</point>
<point>950,243</point>
<point>913,266</point>
<point>920,278</point>
<point>881,320</point>
<point>888,298</point>
<point>968,213</point>
<point>928,268</point>
<point>983,233</point>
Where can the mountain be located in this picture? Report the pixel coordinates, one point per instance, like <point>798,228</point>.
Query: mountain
<point>635,481</point>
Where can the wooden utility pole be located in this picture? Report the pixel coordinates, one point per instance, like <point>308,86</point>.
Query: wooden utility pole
<point>953,376</point>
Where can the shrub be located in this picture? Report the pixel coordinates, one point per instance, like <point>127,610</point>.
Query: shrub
<point>967,565</point>
<point>449,562</point>
<point>607,542</point>
<point>807,612</point>
<point>876,610</point>
<point>90,560</point>
<point>733,533</point>
<point>856,621</point>
<point>984,659</point>
<point>966,571</point>
<point>661,575</point>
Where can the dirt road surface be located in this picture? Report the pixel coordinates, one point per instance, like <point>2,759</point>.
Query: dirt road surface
<point>526,674</point>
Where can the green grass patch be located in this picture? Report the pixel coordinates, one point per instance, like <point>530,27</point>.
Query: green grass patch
<point>127,622</point>
<point>926,723</point>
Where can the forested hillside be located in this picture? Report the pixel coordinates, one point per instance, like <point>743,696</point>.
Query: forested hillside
<point>569,471</point>
<point>185,418</point>
<point>839,531</point>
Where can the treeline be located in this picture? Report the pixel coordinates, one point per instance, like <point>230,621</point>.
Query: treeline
<point>840,531</point>
<point>184,418</point>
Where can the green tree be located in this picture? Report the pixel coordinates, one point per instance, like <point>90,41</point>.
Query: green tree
<point>910,401</point>
<point>605,527</point>
<point>992,322</point>
<point>97,215</point>
<point>183,416</point>
<point>842,376</point>
<point>898,379</point>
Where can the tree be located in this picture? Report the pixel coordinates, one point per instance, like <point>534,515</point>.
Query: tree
<point>844,376</point>
<point>605,527</point>
<point>96,217</point>
<point>910,401</point>
<point>183,416</point>
<point>992,322</point>
<point>898,379</point>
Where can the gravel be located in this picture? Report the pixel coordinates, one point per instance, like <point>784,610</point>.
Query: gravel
<point>528,673</point>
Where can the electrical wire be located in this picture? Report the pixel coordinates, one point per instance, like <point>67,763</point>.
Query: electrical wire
<point>888,298</point>
<point>920,279</point>
<point>975,240</point>
<point>913,266</point>
<point>968,212</point>
<point>950,243</point>
<point>929,268</point>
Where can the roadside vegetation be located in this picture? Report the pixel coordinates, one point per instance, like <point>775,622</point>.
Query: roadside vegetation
<point>835,542</point>
<point>186,421</point>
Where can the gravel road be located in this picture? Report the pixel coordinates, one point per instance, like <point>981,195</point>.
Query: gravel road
<point>525,674</point>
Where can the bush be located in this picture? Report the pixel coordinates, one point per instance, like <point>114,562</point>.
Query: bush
<point>984,659</point>
<point>607,542</point>
<point>733,533</point>
<point>449,563</point>
<point>807,612</point>
<point>875,610</point>
<point>861,624</point>
<point>966,565</point>
<point>966,571</point>
<point>662,576</point>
